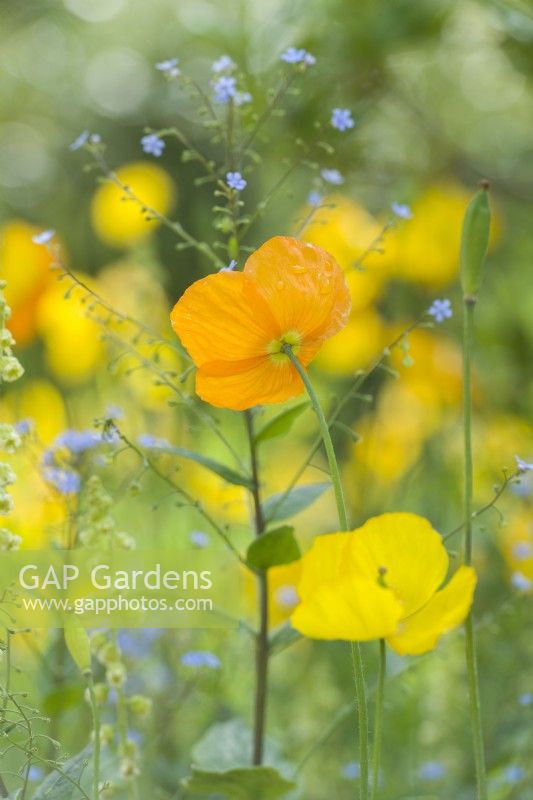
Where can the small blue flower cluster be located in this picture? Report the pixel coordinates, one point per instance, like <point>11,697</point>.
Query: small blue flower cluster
<point>297,55</point>
<point>235,181</point>
<point>153,144</point>
<point>200,658</point>
<point>440,310</point>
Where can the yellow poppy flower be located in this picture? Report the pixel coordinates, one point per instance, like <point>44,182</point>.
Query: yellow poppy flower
<point>234,324</point>
<point>121,222</point>
<point>26,268</point>
<point>382,581</point>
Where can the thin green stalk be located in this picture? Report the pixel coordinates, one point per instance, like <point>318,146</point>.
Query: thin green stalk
<point>362,712</point>
<point>96,729</point>
<point>471,658</point>
<point>262,648</point>
<point>360,688</point>
<point>378,724</point>
<point>326,438</point>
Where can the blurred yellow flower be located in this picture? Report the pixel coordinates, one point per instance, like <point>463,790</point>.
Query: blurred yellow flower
<point>347,230</point>
<point>382,581</point>
<point>40,401</point>
<point>26,268</point>
<point>134,290</point>
<point>72,341</point>
<point>355,347</point>
<point>425,249</point>
<point>434,373</point>
<point>120,222</point>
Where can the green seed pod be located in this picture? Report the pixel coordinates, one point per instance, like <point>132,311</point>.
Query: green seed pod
<point>475,241</point>
<point>233,248</point>
<point>78,644</point>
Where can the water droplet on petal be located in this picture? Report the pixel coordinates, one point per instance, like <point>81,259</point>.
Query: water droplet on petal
<point>325,287</point>
<point>280,285</point>
<point>299,269</point>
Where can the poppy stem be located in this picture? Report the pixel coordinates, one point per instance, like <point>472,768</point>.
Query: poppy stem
<point>360,688</point>
<point>378,723</point>
<point>261,644</point>
<point>326,438</point>
<point>470,642</point>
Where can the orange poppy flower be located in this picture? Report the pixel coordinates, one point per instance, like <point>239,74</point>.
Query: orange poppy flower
<point>234,324</point>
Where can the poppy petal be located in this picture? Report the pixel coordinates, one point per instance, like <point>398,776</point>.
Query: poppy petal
<point>352,609</point>
<point>303,286</point>
<point>325,561</point>
<point>446,610</point>
<point>216,320</point>
<point>251,382</point>
<point>408,553</point>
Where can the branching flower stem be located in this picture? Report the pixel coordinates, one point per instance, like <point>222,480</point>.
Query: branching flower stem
<point>360,688</point>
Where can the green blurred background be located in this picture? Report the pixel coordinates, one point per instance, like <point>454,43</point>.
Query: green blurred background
<point>442,96</point>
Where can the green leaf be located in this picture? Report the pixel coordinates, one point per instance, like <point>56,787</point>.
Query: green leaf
<point>274,548</point>
<point>250,783</point>
<point>221,764</point>
<point>281,424</point>
<point>283,637</point>
<point>57,786</point>
<point>78,643</point>
<point>282,506</point>
<point>225,472</point>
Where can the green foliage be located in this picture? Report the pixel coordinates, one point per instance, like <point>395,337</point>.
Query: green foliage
<point>221,763</point>
<point>286,504</point>
<point>273,548</point>
<point>229,475</point>
<point>475,241</point>
<point>252,783</point>
<point>78,643</point>
<point>281,424</point>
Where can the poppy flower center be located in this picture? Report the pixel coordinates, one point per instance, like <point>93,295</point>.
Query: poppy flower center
<point>275,348</point>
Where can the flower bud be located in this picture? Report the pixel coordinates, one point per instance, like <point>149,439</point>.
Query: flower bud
<point>474,242</point>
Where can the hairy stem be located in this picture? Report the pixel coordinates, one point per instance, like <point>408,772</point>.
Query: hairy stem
<point>378,723</point>
<point>261,645</point>
<point>360,688</point>
<point>96,729</point>
<point>471,657</point>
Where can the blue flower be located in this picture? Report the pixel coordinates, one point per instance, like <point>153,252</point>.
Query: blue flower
<point>64,480</point>
<point>153,442</point>
<point>526,699</point>
<point>401,210</point>
<point>351,771</point>
<point>242,98</point>
<point>200,658</point>
<point>523,466</point>
<point>223,64</point>
<point>43,237</point>
<point>231,266</point>
<point>35,773</point>
<point>199,539</point>
<point>287,596</point>
<point>341,119</point>
<point>169,68</point>
<point>82,139</point>
<point>138,643</point>
<point>522,551</point>
<point>77,441</point>
<point>432,771</point>
<point>114,412</point>
<point>440,310</point>
<point>332,176</point>
<point>520,582</point>
<point>153,144</point>
<point>24,426</point>
<point>314,199</point>
<point>297,55</point>
<point>236,181</point>
<point>513,774</point>
<point>225,88</point>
